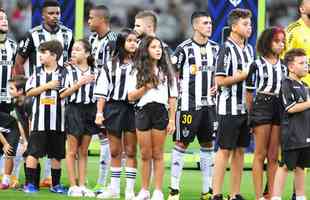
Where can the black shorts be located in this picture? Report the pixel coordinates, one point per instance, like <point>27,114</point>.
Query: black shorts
<point>50,143</point>
<point>266,110</point>
<point>80,119</point>
<point>10,131</point>
<point>151,116</point>
<point>200,123</point>
<point>296,158</point>
<point>233,131</point>
<point>119,117</point>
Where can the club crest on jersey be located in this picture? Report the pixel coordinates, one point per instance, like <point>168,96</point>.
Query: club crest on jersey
<point>235,2</point>
<point>193,69</point>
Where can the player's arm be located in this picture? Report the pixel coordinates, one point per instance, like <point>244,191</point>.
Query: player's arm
<point>33,90</point>
<point>26,46</point>
<point>6,146</point>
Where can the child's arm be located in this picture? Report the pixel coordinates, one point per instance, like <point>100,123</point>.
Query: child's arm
<point>299,107</point>
<point>35,91</point>
<point>231,80</point>
<point>137,93</point>
<point>83,81</point>
<point>22,134</point>
<point>100,108</point>
<point>172,110</point>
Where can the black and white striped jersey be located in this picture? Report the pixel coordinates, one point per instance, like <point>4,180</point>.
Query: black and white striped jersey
<point>7,57</point>
<point>48,110</point>
<point>28,47</point>
<point>196,66</point>
<point>113,83</point>
<point>266,77</point>
<point>231,100</point>
<point>85,94</point>
<point>102,47</point>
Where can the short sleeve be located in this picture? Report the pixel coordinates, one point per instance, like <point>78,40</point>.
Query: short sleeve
<point>102,83</point>
<point>132,83</point>
<point>252,77</point>
<point>223,62</point>
<point>288,97</point>
<point>26,46</point>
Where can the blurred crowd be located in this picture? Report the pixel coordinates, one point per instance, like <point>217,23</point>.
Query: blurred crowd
<point>172,15</point>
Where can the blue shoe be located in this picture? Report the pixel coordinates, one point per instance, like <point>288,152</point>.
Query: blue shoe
<point>59,189</point>
<point>30,188</point>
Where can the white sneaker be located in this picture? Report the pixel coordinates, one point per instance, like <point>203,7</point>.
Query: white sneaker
<point>109,193</point>
<point>143,195</point>
<point>129,195</point>
<point>75,191</point>
<point>157,195</point>
<point>87,192</point>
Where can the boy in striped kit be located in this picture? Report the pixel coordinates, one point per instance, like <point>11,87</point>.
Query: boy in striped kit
<point>233,136</point>
<point>47,122</point>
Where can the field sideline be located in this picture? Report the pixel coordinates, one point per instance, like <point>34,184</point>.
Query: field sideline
<point>191,183</point>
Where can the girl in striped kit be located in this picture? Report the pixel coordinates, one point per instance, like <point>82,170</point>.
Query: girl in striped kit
<point>265,75</point>
<point>117,114</point>
<point>80,114</point>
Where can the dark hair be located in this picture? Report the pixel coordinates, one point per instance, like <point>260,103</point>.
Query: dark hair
<point>19,82</point>
<point>197,14</point>
<point>291,54</point>
<point>236,14</point>
<point>54,46</point>
<point>148,14</point>
<point>299,3</point>
<point>264,42</point>
<point>104,11</point>
<point>2,10</point>
<point>143,64</point>
<point>50,3</point>
<point>119,53</point>
<point>88,49</point>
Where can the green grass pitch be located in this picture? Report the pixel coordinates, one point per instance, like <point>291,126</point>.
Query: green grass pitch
<point>190,186</point>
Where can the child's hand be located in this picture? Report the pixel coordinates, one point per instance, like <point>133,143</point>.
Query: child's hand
<point>7,149</point>
<point>86,79</point>
<point>213,90</point>
<point>171,127</point>
<point>99,119</point>
<point>52,84</point>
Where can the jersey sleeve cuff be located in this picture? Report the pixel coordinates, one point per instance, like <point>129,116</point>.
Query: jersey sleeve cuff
<point>290,106</point>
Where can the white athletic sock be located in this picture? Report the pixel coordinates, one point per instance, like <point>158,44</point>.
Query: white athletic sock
<point>300,197</point>
<point>47,168</point>
<point>6,179</point>
<point>206,167</point>
<point>105,159</point>
<point>115,178</point>
<point>176,167</point>
<point>276,198</point>
<point>130,178</point>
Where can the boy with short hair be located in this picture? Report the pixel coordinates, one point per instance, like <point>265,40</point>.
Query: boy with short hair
<point>47,122</point>
<point>295,124</point>
<point>233,136</point>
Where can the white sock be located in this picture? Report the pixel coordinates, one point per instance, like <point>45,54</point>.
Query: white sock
<point>276,198</point>
<point>115,178</point>
<point>130,179</point>
<point>18,159</point>
<point>300,197</point>
<point>47,168</point>
<point>105,159</point>
<point>206,167</point>
<point>6,179</point>
<point>176,167</point>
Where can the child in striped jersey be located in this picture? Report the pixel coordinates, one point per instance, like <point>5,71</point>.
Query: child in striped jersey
<point>265,75</point>
<point>153,85</point>
<point>117,114</point>
<point>80,115</point>
<point>47,122</point>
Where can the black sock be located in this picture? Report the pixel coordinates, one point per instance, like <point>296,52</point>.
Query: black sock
<point>31,175</point>
<point>38,174</point>
<point>56,173</point>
